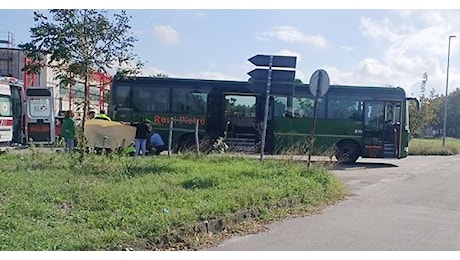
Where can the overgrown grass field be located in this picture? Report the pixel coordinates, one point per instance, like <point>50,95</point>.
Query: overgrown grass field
<point>55,202</point>
<point>418,146</point>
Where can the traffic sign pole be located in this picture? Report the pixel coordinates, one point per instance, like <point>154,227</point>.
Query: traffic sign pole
<point>312,135</point>
<point>267,100</point>
<point>271,75</point>
<point>319,85</point>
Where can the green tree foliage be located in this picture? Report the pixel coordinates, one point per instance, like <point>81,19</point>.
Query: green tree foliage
<point>76,43</point>
<point>453,114</point>
<point>430,108</point>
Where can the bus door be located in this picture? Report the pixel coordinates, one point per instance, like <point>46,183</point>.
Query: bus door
<point>40,115</point>
<point>392,129</point>
<point>241,126</point>
<point>215,122</point>
<point>381,129</point>
<point>374,122</point>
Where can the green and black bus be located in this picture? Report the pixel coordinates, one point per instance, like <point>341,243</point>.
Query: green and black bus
<point>352,121</point>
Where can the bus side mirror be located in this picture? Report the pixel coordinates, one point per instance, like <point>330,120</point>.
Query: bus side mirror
<point>417,103</point>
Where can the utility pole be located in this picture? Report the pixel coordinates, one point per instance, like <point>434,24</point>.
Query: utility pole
<point>444,128</point>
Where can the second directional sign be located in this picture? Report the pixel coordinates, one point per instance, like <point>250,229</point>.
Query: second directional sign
<point>277,75</point>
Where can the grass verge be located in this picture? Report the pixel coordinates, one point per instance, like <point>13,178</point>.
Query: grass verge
<point>418,146</point>
<point>54,202</point>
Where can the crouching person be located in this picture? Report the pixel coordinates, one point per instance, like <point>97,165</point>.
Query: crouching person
<point>157,142</point>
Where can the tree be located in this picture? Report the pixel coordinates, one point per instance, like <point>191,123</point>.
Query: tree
<point>76,43</point>
<point>416,117</point>
<point>430,107</point>
<point>453,114</point>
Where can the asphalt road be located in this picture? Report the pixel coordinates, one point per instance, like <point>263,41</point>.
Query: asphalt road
<point>409,205</point>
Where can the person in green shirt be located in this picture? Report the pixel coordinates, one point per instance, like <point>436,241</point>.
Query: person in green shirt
<point>68,131</point>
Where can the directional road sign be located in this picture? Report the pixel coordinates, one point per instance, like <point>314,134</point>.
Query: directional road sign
<point>278,61</point>
<point>277,75</point>
<point>270,75</point>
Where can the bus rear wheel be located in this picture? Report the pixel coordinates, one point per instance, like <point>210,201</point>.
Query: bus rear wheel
<point>347,152</point>
<point>185,145</point>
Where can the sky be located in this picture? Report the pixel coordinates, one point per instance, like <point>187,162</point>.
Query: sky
<point>370,47</point>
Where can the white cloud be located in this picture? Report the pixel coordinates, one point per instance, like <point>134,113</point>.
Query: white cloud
<point>371,71</point>
<point>293,35</point>
<point>166,33</point>
<point>383,31</point>
<point>347,48</point>
<point>337,76</point>
<point>408,44</point>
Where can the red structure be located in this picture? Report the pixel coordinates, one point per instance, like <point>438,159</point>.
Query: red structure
<point>103,79</point>
<point>70,96</point>
<point>29,81</point>
<point>29,78</point>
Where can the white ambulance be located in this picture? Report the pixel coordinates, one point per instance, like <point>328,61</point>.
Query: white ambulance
<point>6,117</point>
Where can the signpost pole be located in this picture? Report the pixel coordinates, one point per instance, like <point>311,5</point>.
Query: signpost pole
<point>267,100</point>
<point>312,135</point>
<point>319,85</point>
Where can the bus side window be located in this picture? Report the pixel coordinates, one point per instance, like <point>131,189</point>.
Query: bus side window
<point>299,113</point>
<point>356,116</point>
<point>280,106</point>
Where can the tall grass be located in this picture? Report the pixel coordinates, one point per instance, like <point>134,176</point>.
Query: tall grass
<point>55,202</point>
<point>419,146</point>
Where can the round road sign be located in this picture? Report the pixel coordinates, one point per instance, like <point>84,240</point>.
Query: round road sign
<point>319,83</point>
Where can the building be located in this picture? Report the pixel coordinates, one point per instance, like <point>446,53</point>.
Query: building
<point>13,59</point>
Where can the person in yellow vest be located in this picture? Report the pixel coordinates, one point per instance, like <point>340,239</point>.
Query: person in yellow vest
<point>103,116</point>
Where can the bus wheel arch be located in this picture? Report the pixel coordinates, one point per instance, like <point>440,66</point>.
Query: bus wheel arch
<point>184,143</point>
<point>347,151</point>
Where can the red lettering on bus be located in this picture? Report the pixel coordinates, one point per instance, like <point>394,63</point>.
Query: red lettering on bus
<point>157,119</point>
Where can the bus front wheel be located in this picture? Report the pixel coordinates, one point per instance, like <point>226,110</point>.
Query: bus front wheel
<point>347,152</point>
<point>185,144</point>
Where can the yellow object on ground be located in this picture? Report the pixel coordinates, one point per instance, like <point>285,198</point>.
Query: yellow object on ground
<point>108,134</point>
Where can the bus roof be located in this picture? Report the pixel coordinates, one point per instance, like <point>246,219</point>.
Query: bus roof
<point>176,80</point>
<point>276,88</point>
